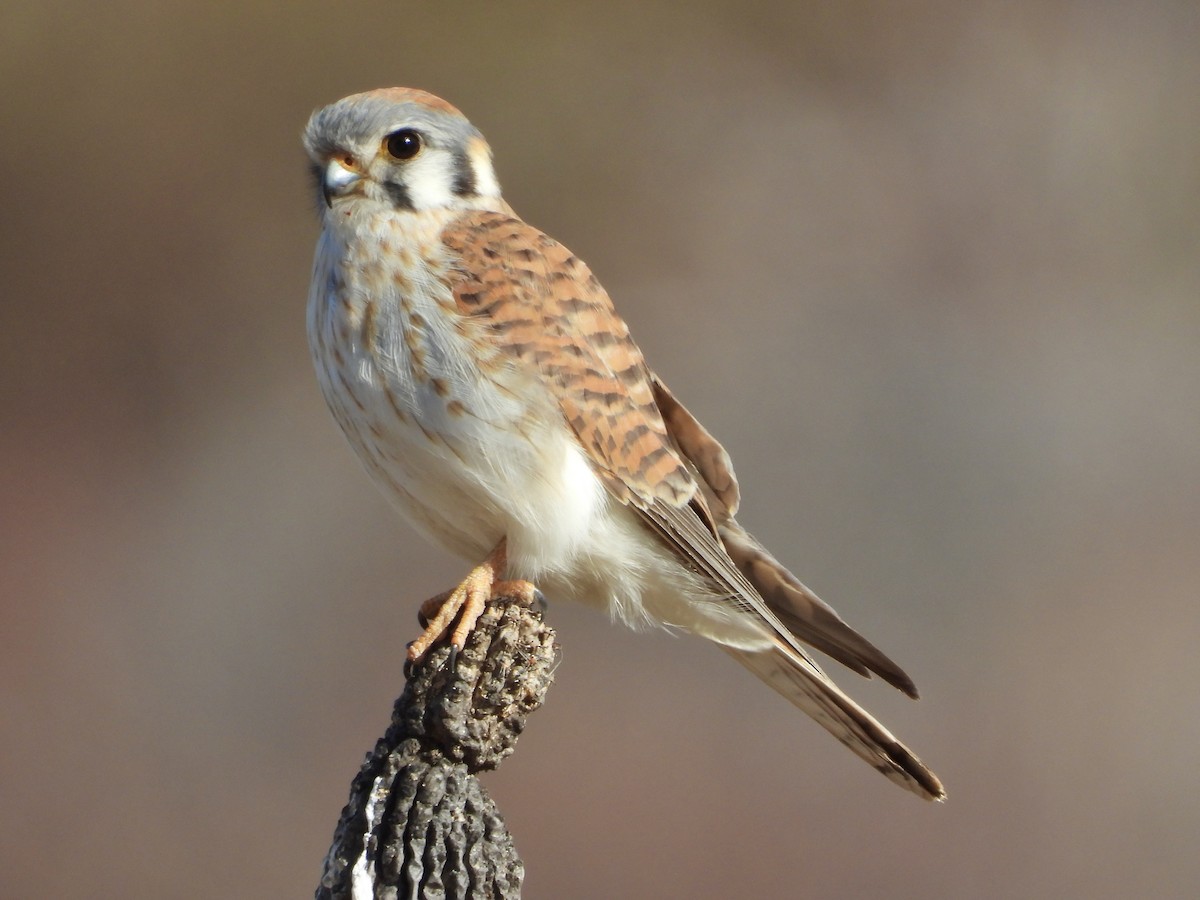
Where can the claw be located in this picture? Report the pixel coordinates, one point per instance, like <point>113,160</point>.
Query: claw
<point>466,603</point>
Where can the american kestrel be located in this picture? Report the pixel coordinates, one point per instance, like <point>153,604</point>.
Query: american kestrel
<point>480,372</point>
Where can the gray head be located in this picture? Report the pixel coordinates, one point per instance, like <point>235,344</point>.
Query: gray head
<point>401,147</point>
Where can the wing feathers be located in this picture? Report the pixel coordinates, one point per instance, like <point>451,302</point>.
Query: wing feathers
<point>801,612</point>
<point>710,459</point>
<point>804,613</point>
<point>548,312</point>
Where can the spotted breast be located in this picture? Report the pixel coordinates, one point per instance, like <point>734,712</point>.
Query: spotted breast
<point>469,446</point>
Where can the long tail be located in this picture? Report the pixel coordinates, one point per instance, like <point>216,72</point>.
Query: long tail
<point>802,682</point>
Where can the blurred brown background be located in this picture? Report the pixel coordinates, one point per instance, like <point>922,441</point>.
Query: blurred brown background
<point>930,271</point>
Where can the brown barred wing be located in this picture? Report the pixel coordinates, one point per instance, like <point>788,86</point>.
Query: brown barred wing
<point>546,309</point>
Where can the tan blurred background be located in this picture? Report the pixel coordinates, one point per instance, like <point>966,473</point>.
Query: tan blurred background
<point>929,272</point>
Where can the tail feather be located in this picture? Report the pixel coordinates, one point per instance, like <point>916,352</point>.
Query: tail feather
<point>802,682</point>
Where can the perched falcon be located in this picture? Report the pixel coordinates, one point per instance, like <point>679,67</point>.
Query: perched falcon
<point>480,372</point>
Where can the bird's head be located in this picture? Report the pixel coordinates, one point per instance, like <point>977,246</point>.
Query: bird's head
<point>403,148</point>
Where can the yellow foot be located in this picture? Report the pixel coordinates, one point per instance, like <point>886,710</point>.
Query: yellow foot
<point>467,602</point>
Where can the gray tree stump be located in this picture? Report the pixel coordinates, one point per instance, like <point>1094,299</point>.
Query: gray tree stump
<point>418,823</point>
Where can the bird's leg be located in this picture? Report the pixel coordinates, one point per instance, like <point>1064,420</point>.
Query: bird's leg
<point>467,602</point>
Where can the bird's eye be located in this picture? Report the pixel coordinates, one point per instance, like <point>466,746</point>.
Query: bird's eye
<point>403,144</point>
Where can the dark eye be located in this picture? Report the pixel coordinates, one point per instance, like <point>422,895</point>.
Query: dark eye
<point>403,144</point>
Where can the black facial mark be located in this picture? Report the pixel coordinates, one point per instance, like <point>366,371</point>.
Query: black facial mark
<point>318,185</point>
<point>464,176</point>
<point>398,194</point>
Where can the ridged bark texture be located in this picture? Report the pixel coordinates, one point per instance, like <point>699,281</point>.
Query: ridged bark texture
<point>418,823</point>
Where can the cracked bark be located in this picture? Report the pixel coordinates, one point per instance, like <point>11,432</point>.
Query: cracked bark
<point>418,822</point>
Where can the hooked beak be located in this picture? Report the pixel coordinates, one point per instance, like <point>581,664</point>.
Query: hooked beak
<point>337,179</point>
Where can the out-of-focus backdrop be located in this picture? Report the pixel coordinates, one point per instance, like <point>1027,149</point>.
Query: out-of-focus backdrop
<point>931,274</point>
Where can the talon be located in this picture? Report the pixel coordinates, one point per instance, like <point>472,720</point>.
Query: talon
<point>430,608</point>
<point>467,602</point>
<point>447,606</point>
